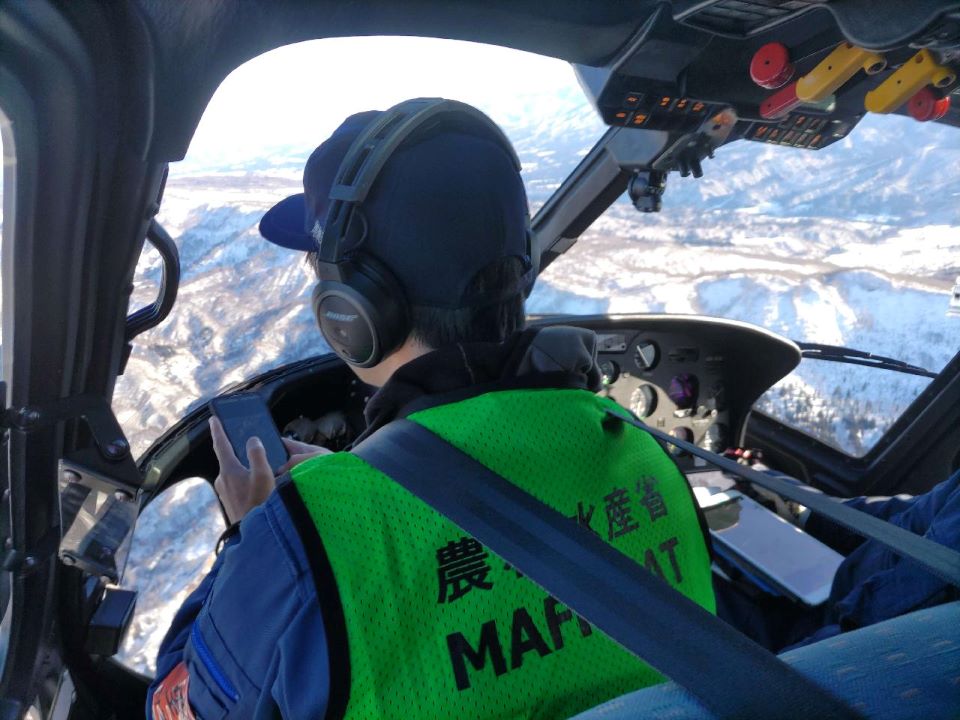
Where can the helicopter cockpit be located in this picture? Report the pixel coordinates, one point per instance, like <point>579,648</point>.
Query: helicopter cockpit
<point>729,343</point>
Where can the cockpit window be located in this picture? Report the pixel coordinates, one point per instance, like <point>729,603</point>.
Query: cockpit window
<point>856,245</point>
<point>6,199</point>
<point>243,304</point>
<point>6,206</point>
<point>269,114</point>
<point>853,245</point>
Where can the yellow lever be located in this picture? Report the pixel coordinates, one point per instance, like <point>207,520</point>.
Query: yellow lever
<point>920,70</point>
<point>835,69</point>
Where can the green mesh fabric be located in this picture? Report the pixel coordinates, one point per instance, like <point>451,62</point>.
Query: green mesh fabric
<point>440,627</point>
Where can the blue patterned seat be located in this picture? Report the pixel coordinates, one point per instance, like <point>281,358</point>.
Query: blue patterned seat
<point>904,668</point>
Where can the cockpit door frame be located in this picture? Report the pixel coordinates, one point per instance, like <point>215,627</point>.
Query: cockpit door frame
<point>85,191</point>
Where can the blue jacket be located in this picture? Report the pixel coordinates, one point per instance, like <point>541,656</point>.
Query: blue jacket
<point>252,634</point>
<point>873,583</point>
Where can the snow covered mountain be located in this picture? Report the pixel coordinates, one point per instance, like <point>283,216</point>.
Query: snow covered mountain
<point>856,245</point>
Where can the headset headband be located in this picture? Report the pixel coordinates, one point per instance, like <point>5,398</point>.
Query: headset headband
<point>365,159</point>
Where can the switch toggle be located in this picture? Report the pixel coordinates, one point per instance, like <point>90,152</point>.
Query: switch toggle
<point>920,70</point>
<point>835,70</point>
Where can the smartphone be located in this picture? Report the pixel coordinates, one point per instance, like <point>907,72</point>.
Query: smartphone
<point>768,547</point>
<point>243,416</point>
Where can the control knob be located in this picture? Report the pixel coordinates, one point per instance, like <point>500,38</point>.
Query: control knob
<point>681,433</point>
<point>683,390</point>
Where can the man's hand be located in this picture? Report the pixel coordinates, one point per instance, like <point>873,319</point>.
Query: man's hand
<point>240,489</point>
<point>300,451</point>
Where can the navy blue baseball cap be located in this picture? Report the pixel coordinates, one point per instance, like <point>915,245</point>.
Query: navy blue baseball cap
<point>446,204</point>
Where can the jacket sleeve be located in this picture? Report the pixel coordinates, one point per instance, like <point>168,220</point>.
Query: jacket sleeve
<point>171,649</point>
<point>914,513</point>
<point>252,628</point>
<point>874,584</point>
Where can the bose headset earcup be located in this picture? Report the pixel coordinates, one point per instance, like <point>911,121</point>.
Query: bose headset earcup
<point>364,317</point>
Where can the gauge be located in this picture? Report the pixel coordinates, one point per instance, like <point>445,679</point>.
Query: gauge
<point>609,372</point>
<point>683,390</point>
<point>646,355</point>
<point>716,398</point>
<point>644,400</point>
<point>716,438</point>
<point>681,433</point>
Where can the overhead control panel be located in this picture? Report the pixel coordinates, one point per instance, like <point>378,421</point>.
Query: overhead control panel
<point>698,74</point>
<point>656,111</point>
<point>800,73</point>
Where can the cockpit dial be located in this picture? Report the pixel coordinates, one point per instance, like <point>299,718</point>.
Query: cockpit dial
<point>609,372</point>
<point>644,401</point>
<point>646,355</point>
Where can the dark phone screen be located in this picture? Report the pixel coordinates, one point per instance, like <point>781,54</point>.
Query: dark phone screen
<point>244,416</point>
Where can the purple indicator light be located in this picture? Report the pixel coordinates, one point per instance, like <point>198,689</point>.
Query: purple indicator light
<point>683,390</point>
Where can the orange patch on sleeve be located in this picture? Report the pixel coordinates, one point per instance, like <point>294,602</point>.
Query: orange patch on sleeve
<point>171,698</point>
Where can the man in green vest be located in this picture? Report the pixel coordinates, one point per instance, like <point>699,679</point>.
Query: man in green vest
<point>340,593</point>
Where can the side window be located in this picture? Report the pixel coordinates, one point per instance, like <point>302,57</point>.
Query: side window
<point>172,550</point>
<point>850,407</point>
<point>6,208</point>
<point>841,405</point>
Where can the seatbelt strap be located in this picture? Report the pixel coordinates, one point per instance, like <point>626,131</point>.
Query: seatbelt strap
<point>942,561</point>
<point>728,673</point>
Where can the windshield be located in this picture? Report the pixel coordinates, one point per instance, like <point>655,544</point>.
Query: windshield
<point>856,244</point>
<point>852,245</point>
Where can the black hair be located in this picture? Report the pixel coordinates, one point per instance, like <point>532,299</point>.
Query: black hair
<point>437,327</point>
<point>440,327</point>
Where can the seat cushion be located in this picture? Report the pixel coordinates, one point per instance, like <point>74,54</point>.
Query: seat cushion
<point>907,667</point>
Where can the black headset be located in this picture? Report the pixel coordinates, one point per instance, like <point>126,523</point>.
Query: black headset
<point>359,304</point>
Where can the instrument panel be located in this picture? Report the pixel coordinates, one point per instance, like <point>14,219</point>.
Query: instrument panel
<point>692,377</point>
<point>671,382</point>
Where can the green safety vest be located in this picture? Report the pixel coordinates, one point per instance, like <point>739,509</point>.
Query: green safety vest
<point>436,625</point>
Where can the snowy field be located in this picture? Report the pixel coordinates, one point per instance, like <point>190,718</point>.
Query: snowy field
<point>812,281</point>
<point>855,245</point>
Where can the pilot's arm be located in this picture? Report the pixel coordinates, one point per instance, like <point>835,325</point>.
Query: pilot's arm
<point>245,640</point>
<point>873,583</point>
<point>250,641</point>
